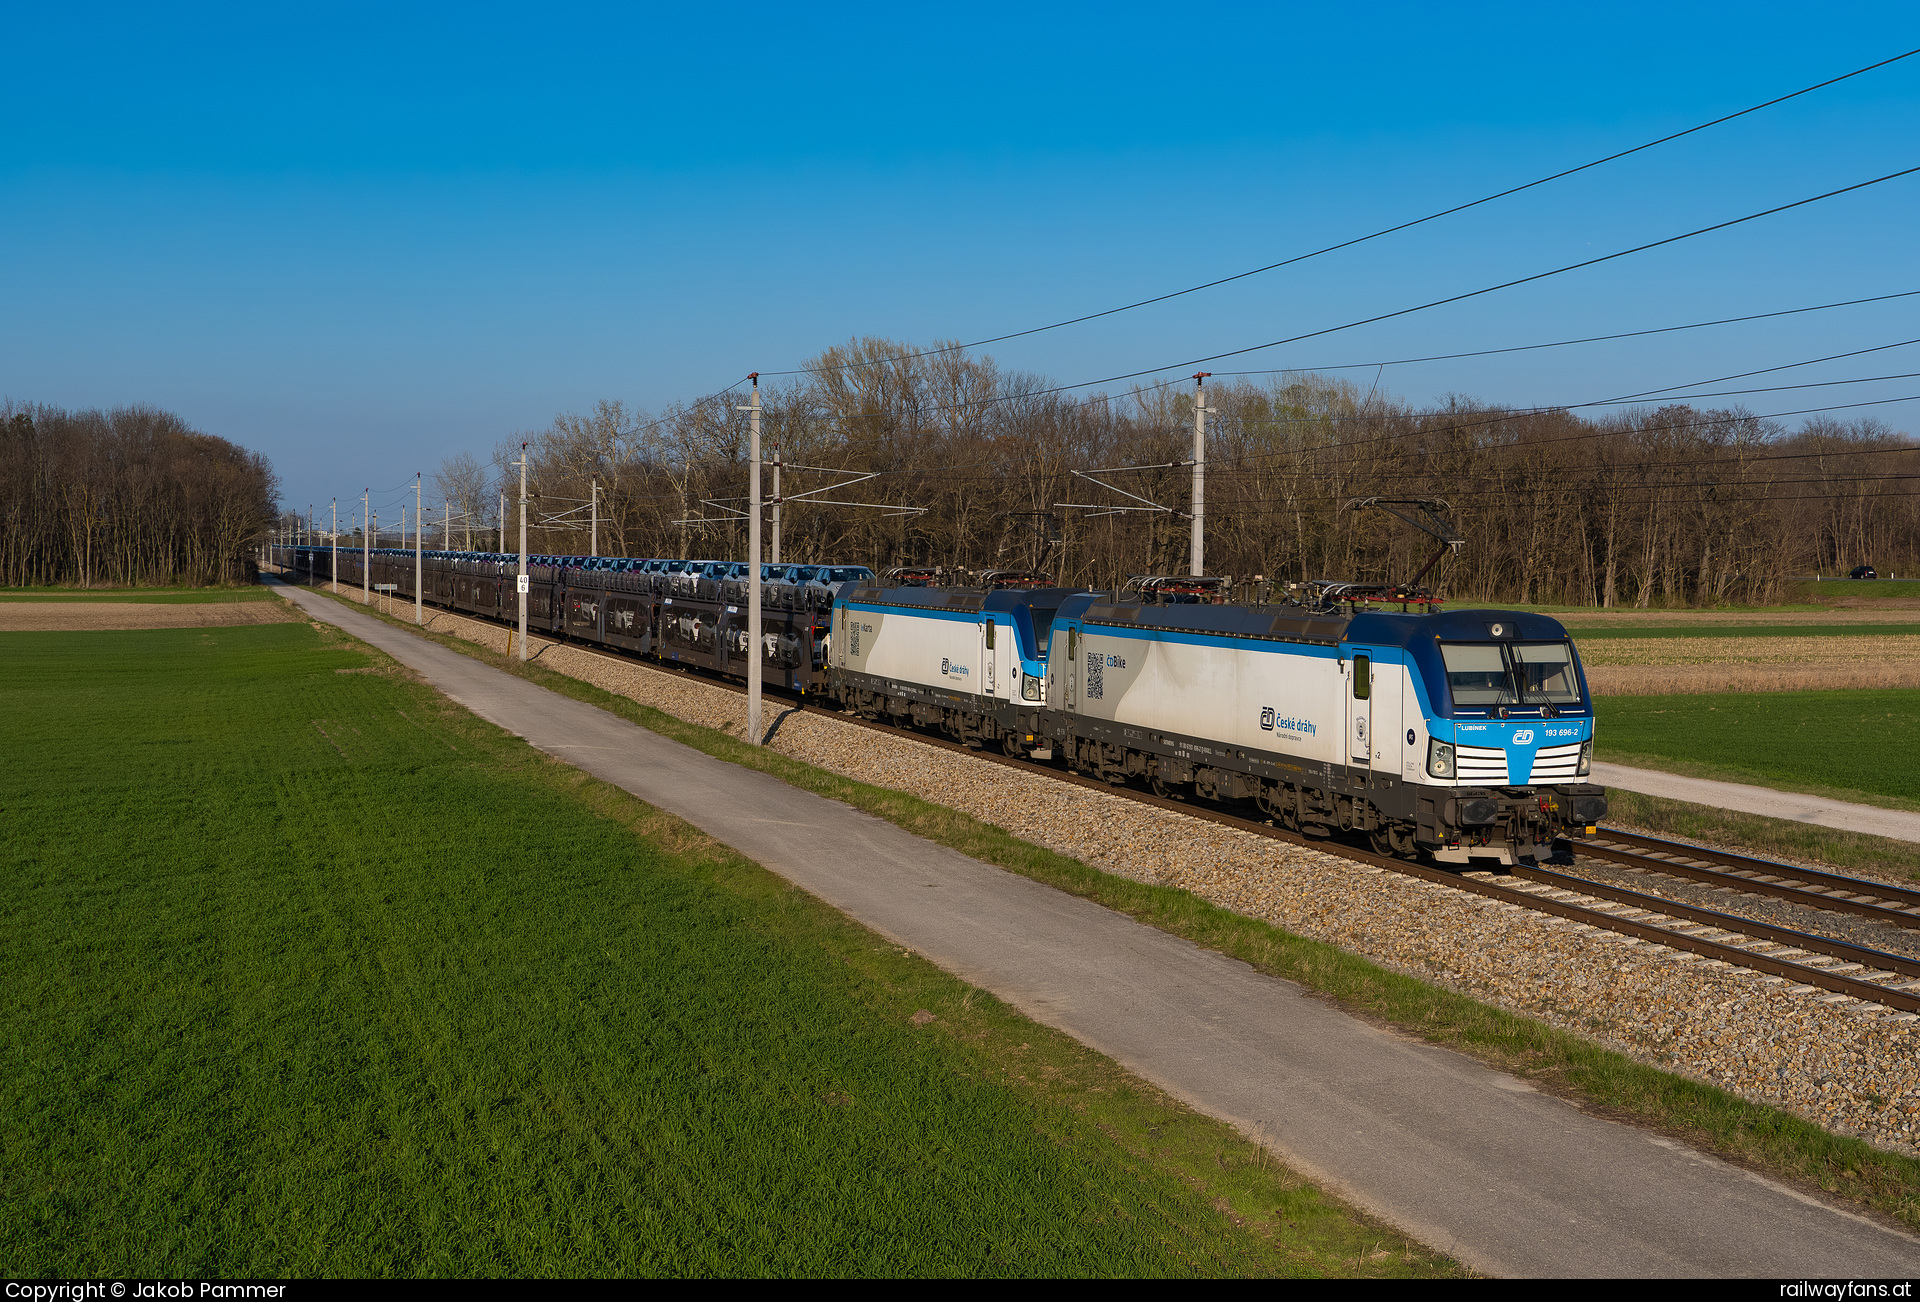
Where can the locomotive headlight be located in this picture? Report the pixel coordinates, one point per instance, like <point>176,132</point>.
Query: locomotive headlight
<point>1439,758</point>
<point>1029,688</point>
<point>1585,766</point>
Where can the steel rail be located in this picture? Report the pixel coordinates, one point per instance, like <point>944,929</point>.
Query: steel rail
<point>1837,983</point>
<point>1816,944</point>
<point>1823,890</point>
<point>1866,992</point>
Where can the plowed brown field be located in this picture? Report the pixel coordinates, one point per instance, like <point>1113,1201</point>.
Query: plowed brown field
<point>78,616</point>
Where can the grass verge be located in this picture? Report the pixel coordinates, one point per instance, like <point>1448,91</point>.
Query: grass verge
<point>1854,589</point>
<point>1861,745</point>
<point>1766,1138</point>
<point>1571,613</point>
<point>1765,837</point>
<point>307,971</point>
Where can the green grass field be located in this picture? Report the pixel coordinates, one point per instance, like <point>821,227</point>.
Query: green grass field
<point>162,596</point>
<point>306,971</point>
<point>1857,589</point>
<point>1572,614</point>
<point>1850,741</point>
<point>1751,1134</point>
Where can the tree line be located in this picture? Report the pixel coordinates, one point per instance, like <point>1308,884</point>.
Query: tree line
<point>955,462</point>
<point>126,498</point>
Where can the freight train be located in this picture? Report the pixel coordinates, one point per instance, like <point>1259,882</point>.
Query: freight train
<point>1461,735</point>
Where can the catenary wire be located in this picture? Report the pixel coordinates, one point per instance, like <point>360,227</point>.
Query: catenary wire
<point>1506,414</point>
<point>1477,293</point>
<point>1564,343</point>
<point>1490,419</point>
<point>1362,239</point>
<point>1422,307</point>
<point>1834,357</point>
<point>1819,307</point>
<point>1220,469</point>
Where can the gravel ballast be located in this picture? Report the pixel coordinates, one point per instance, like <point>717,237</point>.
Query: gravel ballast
<point>1853,1070</point>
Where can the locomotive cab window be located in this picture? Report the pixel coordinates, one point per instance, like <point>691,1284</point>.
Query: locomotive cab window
<point>1042,617</point>
<point>1362,678</point>
<point>1477,673</point>
<point>990,627</point>
<point>1493,673</point>
<point>1545,671</point>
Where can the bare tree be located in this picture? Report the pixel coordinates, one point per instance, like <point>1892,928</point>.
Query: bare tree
<point>965,465</point>
<point>466,489</point>
<point>132,496</point>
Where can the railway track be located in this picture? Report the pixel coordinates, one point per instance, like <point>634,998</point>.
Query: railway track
<point>1875,978</point>
<point>1883,902</point>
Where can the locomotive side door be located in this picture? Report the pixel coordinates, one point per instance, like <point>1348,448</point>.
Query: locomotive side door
<point>988,654</point>
<point>1073,666</point>
<point>1359,694</point>
<point>1060,665</point>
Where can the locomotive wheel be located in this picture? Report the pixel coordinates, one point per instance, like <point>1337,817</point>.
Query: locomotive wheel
<point>1013,746</point>
<point>1381,839</point>
<point>1159,788</point>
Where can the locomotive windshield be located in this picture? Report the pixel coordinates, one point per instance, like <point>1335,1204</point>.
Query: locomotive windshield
<point>1477,675</point>
<point>1545,671</point>
<point>1042,617</point>
<point>1495,673</point>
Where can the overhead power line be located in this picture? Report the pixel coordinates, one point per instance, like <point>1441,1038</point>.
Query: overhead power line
<point>1471,507</point>
<point>1567,343</point>
<point>1029,394</point>
<point>1496,417</point>
<point>1603,432</point>
<point>1833,357</point>
<point>1491,289</point>
<point>1321,465</point>
<point>1362,239</point>
<point>1735,393</point>
<point>861,442</point>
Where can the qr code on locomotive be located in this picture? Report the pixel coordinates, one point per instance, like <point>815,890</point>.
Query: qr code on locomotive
<point>1095,685</point>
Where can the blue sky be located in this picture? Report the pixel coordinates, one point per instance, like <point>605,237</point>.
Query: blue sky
<point>361,238</point>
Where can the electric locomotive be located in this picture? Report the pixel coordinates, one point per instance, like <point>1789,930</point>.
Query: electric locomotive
<point>970,661</point>
<point>1463,734</point>
<point>1466,734</point>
